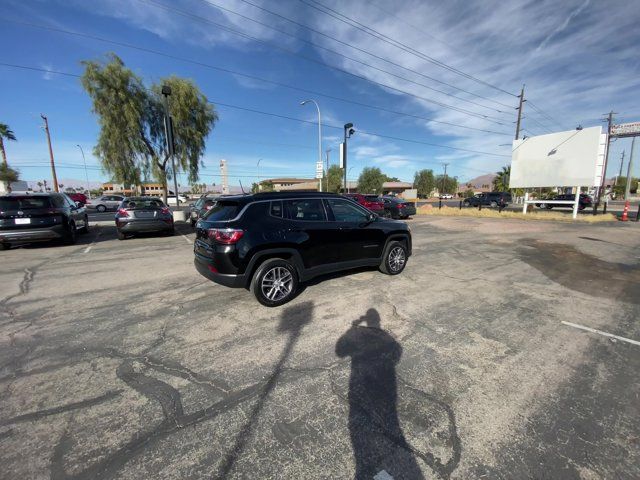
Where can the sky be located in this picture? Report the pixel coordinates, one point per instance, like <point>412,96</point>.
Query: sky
<point>425,83</point>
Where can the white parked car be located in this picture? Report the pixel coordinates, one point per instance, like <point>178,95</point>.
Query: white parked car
<point>171,200</point>
<point>446,196</point>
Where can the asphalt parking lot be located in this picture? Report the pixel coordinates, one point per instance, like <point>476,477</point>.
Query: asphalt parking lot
<point>119,361</point>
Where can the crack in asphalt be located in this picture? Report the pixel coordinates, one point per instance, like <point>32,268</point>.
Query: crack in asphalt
<point>39,414</point>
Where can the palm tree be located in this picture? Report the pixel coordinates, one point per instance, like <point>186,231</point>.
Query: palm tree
<point>5,134</point>
<point>501,181</point>
<point>8,175</point>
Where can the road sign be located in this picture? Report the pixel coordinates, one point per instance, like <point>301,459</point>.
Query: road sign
<point>319,170</point>
<point>625,129</point>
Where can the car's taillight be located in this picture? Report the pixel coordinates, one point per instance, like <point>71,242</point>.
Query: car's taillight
<point>228,236</point>
<point>165,211</point>
<point>208,207</point>
<point>122,212</point>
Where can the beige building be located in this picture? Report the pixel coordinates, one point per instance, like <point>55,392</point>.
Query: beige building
<point>153,189</point>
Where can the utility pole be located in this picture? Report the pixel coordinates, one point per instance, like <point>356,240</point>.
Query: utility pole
<point>520,105</point>
<point>627,187</point>
<point>53,165</point>
<point>86,175</point>
<point>348,131</point>
<point>606,161</point>
<point>444,179</point>
<point>620,172</point>
<point>327,151</point>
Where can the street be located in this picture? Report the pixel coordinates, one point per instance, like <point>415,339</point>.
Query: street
<point>119,361</point>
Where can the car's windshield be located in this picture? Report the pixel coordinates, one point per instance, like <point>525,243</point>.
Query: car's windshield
<point>24,203</point>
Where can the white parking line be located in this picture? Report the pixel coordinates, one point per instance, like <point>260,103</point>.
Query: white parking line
<point>600,332</point>
<point>187,239</point>
<point>382,475</point>
<point>88,249</point>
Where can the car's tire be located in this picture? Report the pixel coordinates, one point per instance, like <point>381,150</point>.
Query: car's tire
<point>121,235</point>
<point>494,204</point>
<point>170,233</point>
<point>275,282</point>
<point>85,229</point>
<point>193,223</point>
<point>101,209</point>
<point>549,207</point>
<point>466,204</point>
<point>5,246</point>
<point>71,237</point>
<point>394,259</point>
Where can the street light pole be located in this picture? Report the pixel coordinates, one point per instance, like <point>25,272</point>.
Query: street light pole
<point>86,175</point>
<point>319,136</point>
<point>166,91</point>
<point>258,174</point>
<point>346,179</point>
<point>53,164</point>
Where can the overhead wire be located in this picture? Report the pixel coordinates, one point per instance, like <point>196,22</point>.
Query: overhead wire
<point>316,45</point>
<point>254,77</point>
<point>319,6</point>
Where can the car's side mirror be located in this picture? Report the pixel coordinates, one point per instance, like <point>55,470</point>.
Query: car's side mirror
<point>191,205</point>
<point>78,204</point>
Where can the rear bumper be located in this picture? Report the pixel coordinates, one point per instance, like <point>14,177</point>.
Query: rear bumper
<point>133,226</point>
<point>32,235</point>
<point>408,211</point>
<point>207,268</point>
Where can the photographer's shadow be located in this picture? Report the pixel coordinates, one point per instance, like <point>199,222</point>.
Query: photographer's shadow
<point>376,436</point>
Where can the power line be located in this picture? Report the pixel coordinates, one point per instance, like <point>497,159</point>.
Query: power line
<point>271,27</point>
<point>253,77</point>
<point>353,102</point>
<point>544,114</point>
<point>376,34</point>
<point>286,117</point>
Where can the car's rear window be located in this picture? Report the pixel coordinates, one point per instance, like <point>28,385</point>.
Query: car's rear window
<point>139,203</point>
<point>222,211</point>
<point>372,198</point>
<point>23,203</point>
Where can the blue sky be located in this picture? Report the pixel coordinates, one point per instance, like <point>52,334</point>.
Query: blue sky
<point>578,60</point>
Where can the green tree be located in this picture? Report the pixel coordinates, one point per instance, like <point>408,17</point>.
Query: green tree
<point>8,175</point>
<point>371,180</point>
<point>447,184</point>
<point>501,180</point>
<point>5,134</point>
<point>621,183</point>
<point>264,186</point>
<point>424,182</point>
<point>132,136</point>
<point>334,179</point>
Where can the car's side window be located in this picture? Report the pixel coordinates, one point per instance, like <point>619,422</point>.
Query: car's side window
<point>276,209</point>
<point>69,201</point>
<point>58,201</point>
<point>344,211</point>
<point>305,209</point>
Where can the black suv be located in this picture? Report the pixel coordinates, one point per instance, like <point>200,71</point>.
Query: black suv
<point>39,217</point>
<point>492,199</point>
<point>584,201</point>
<point>269,242</point>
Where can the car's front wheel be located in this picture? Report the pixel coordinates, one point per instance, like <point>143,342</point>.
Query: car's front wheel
<point>275,282</point>
<point>71,236</point>
<point>101,208</point>
<point>394,259</point>
<point>466,203</point>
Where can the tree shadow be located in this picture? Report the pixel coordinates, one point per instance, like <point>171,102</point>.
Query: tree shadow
<point>292,322</point>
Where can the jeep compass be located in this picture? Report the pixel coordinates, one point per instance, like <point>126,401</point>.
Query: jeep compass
<point>271,242</point>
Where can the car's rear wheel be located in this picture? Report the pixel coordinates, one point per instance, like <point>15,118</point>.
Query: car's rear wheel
<point>275,282</point>
<point>121,235</point>
<point>85,229</point>
<point>71,236</point>
<point>5,246</point>
<point>466,203</point>
<point>394,259</point>
<point>494,204</point>
<point>549,207</point>
<point>101,208</point>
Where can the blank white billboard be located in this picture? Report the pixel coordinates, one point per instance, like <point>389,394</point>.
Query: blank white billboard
<point>567,159</point>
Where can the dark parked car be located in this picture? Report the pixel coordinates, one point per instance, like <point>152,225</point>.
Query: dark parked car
<point>40,217</point>
<point>143,214</point>
<point>584,202</point>
<point>370,202</point>
<point>270,242</point>
<point>202,205</point>
<point>492,199</point>
<point>104,203</point>
<point>395,207</point>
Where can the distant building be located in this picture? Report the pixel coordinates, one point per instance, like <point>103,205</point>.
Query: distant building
<point>289,184</point>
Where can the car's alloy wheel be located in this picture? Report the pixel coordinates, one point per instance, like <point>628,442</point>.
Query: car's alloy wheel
<point>494,204</point>
<point>395,259</point>
<point>101,208</point>
<point>275,282</point>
